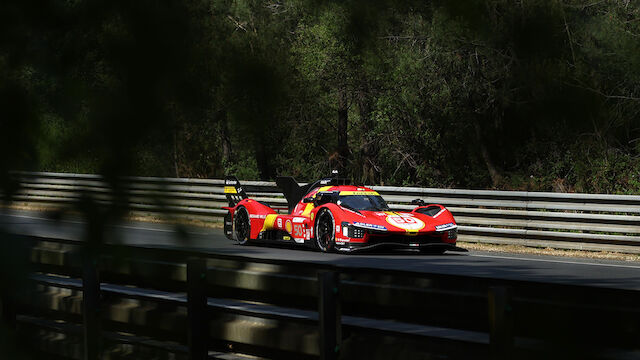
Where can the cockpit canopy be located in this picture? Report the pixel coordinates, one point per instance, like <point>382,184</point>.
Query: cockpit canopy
<point>354,200</point>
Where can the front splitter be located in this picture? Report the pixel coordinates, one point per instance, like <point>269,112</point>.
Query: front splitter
<point>392,245</point>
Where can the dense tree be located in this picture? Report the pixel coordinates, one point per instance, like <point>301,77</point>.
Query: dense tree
<point>541,95</point>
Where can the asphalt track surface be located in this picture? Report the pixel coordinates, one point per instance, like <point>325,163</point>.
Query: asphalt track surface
<point>550,269</point>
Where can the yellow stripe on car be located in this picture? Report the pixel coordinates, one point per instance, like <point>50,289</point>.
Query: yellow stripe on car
<point>307,209</point>
<point>268,222</point>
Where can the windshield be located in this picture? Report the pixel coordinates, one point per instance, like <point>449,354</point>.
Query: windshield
<point>363,202</point>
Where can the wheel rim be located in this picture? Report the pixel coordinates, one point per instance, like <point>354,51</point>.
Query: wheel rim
<point>242,225</point>
<point>325,231</point>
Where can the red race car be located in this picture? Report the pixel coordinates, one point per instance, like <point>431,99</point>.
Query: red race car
<point>330,215</point>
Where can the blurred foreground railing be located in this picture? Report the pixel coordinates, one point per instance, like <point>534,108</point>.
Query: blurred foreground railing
<point>178,304</point>
<point>596,222</point>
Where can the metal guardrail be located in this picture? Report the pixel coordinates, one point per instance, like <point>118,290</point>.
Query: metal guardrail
<point>190,304</point>
<point>598,222</point>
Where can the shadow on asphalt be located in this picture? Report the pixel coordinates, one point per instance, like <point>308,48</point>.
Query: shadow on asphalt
<point>374,251</point>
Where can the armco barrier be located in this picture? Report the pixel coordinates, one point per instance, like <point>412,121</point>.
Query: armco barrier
<point>179,304</point>
<point>598,222</point>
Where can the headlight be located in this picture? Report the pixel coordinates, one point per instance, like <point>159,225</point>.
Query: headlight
<point>358,233</point>
<point>351,231</point>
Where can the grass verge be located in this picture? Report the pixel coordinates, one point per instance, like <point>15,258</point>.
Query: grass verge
<point>519,249</point>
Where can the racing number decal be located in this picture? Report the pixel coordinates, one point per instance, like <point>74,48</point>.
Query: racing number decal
<point>298,232</point>
<point>405,222</point>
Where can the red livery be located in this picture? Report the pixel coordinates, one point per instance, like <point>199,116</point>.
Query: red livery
<point>330,215</point>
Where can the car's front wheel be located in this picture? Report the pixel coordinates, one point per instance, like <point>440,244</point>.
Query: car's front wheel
<point>242,225</point>
<point>325,231</point>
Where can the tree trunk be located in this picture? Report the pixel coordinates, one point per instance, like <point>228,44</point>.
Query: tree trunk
<point>343,118</point>
<point>224,136</point>
<point>493,172</point>
<point>262,159</point>
<point>175,152</point>
<point>368,149</point>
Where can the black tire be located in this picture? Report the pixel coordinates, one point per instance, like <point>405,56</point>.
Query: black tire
<point>241,225</point>
<point>325,231</point>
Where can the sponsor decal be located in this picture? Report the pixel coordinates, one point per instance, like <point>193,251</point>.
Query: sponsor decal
<point>338,229</point>
<point>252,216</point>
<point>370,226</point>
<point>346,193</point>
<point>312,216</point>
<point>447,226</point>
<point>286,237</point>
<point>230,190</point>
<point>288,226</point>
<point>298,219</point>
<point>405,222</point>
<point>325,181</point>
<point>279,223</point>
<point>230,182</point>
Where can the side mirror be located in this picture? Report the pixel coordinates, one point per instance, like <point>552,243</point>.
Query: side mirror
<point>418,202</point>
<point>308,200</point>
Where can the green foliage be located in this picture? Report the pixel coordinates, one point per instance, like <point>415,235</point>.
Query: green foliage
<point>534,95</point>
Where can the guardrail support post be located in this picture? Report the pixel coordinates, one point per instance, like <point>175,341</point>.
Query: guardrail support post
<point>91,303</point>
<point>197,308</point>
<point>500,323</point>
<point>329,315</point>
<point>8,310</point>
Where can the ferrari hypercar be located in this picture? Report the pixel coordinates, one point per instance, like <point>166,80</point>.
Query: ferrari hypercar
<point>332,216</point>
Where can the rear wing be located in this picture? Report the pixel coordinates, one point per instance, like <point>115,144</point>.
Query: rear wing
<point>233,190</point>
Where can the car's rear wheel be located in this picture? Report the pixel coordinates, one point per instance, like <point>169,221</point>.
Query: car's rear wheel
<point>242,225</point>
<point>325,231</point>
